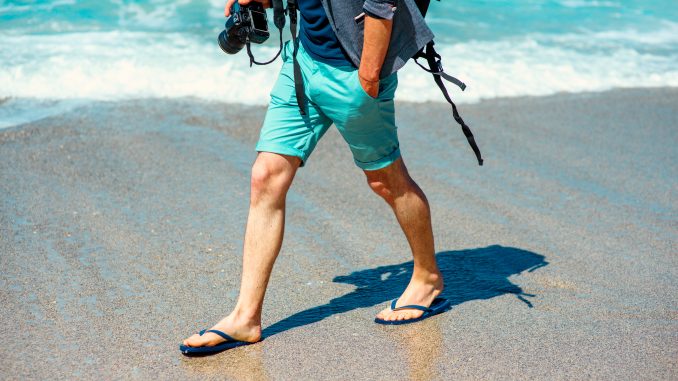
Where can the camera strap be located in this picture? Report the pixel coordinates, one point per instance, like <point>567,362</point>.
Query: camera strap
<point>435,67</point>
<point>279,21</point>
<point>255,62</point>
<point>298,81</point>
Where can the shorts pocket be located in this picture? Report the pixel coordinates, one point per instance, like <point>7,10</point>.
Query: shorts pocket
<point>387,87</point>
<point>356,80</point>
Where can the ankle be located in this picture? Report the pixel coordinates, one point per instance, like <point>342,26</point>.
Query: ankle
<point>246,316</point>
<point>432,278</point>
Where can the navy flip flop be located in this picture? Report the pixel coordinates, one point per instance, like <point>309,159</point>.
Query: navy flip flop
<point>228,344</point>
<point>437,306</point>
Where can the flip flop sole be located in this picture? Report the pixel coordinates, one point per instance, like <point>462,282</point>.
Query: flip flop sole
<point>438,306</point>
<point>210,350</point>
<point>201,351</point>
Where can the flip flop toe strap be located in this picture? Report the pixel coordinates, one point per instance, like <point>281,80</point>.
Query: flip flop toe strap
<point>411,306</point>
<point>223,335</point>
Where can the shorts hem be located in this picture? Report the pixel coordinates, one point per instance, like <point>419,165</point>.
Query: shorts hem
<point>283,150</point>
<point>380,163</point>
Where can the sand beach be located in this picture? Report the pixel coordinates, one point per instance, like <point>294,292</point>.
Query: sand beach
<point>121,229</point>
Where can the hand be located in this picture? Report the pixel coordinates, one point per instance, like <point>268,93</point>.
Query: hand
<point>229,5</point>
<point>375,45</point>
<point>370,87</point>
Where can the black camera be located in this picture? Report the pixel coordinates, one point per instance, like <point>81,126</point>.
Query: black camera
<point>247,23</point>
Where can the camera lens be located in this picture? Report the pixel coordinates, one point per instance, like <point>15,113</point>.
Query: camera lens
<point>229,45</point>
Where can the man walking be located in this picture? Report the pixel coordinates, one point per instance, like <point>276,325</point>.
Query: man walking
<point>349,53</point>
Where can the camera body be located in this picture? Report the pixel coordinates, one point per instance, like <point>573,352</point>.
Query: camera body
<point>247,23</point>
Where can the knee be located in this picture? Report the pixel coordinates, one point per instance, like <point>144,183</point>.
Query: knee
<point>391,182</point>
<point>268,181</point>
<point>383,188</point>
<point>390,186</point>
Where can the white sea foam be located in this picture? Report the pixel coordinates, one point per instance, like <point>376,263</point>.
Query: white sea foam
<point>14,8</point>
<point>154,15</point>
<point>116,65</point>
<point>588,4</point>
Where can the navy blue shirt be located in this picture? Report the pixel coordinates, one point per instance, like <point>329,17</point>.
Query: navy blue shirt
<point>317,36</point>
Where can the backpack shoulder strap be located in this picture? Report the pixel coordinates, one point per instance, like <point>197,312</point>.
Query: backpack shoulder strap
<point>435,67</point>
<point>423,6</point>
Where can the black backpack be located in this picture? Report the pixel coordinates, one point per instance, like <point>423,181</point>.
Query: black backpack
<point>436,69</point>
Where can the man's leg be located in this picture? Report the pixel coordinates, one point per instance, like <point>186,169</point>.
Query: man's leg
<point>272,175</point>
<point>411,208</point>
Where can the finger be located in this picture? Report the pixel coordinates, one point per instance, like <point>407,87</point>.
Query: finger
<point>264,3</point>
<point>227,9</point>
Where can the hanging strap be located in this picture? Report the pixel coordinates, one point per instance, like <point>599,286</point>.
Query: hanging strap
<point>279,21</point>
<point>441,73</point>
<point>436,69</point>
<point>298,81</point>
<point>255,62</point>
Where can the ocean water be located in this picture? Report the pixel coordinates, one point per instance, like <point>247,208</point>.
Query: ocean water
<point>62,52</point>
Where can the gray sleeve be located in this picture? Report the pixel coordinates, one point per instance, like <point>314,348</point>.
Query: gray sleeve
<point>381,8</point>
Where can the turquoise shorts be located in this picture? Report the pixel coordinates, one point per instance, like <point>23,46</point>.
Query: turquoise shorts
<point>334,95</point>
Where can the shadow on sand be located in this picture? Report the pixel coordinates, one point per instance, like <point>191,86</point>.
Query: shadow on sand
<point>469,275</point>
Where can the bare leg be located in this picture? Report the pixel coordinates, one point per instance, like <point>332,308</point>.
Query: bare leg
<point>411,208</point>
<point>272,175</point>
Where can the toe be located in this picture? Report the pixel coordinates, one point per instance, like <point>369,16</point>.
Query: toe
<point>194,341</point>
<point>383,314</point>
<point>188,340</point>
<point>388,314</point>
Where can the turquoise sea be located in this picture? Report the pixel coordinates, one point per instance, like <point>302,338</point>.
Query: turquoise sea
<point>78,50</point>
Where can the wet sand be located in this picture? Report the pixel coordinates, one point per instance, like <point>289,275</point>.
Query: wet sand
<point>121,230</point>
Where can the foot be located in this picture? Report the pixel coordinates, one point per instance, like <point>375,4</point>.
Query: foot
<point>420,292</point>
<point>238,328</point>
